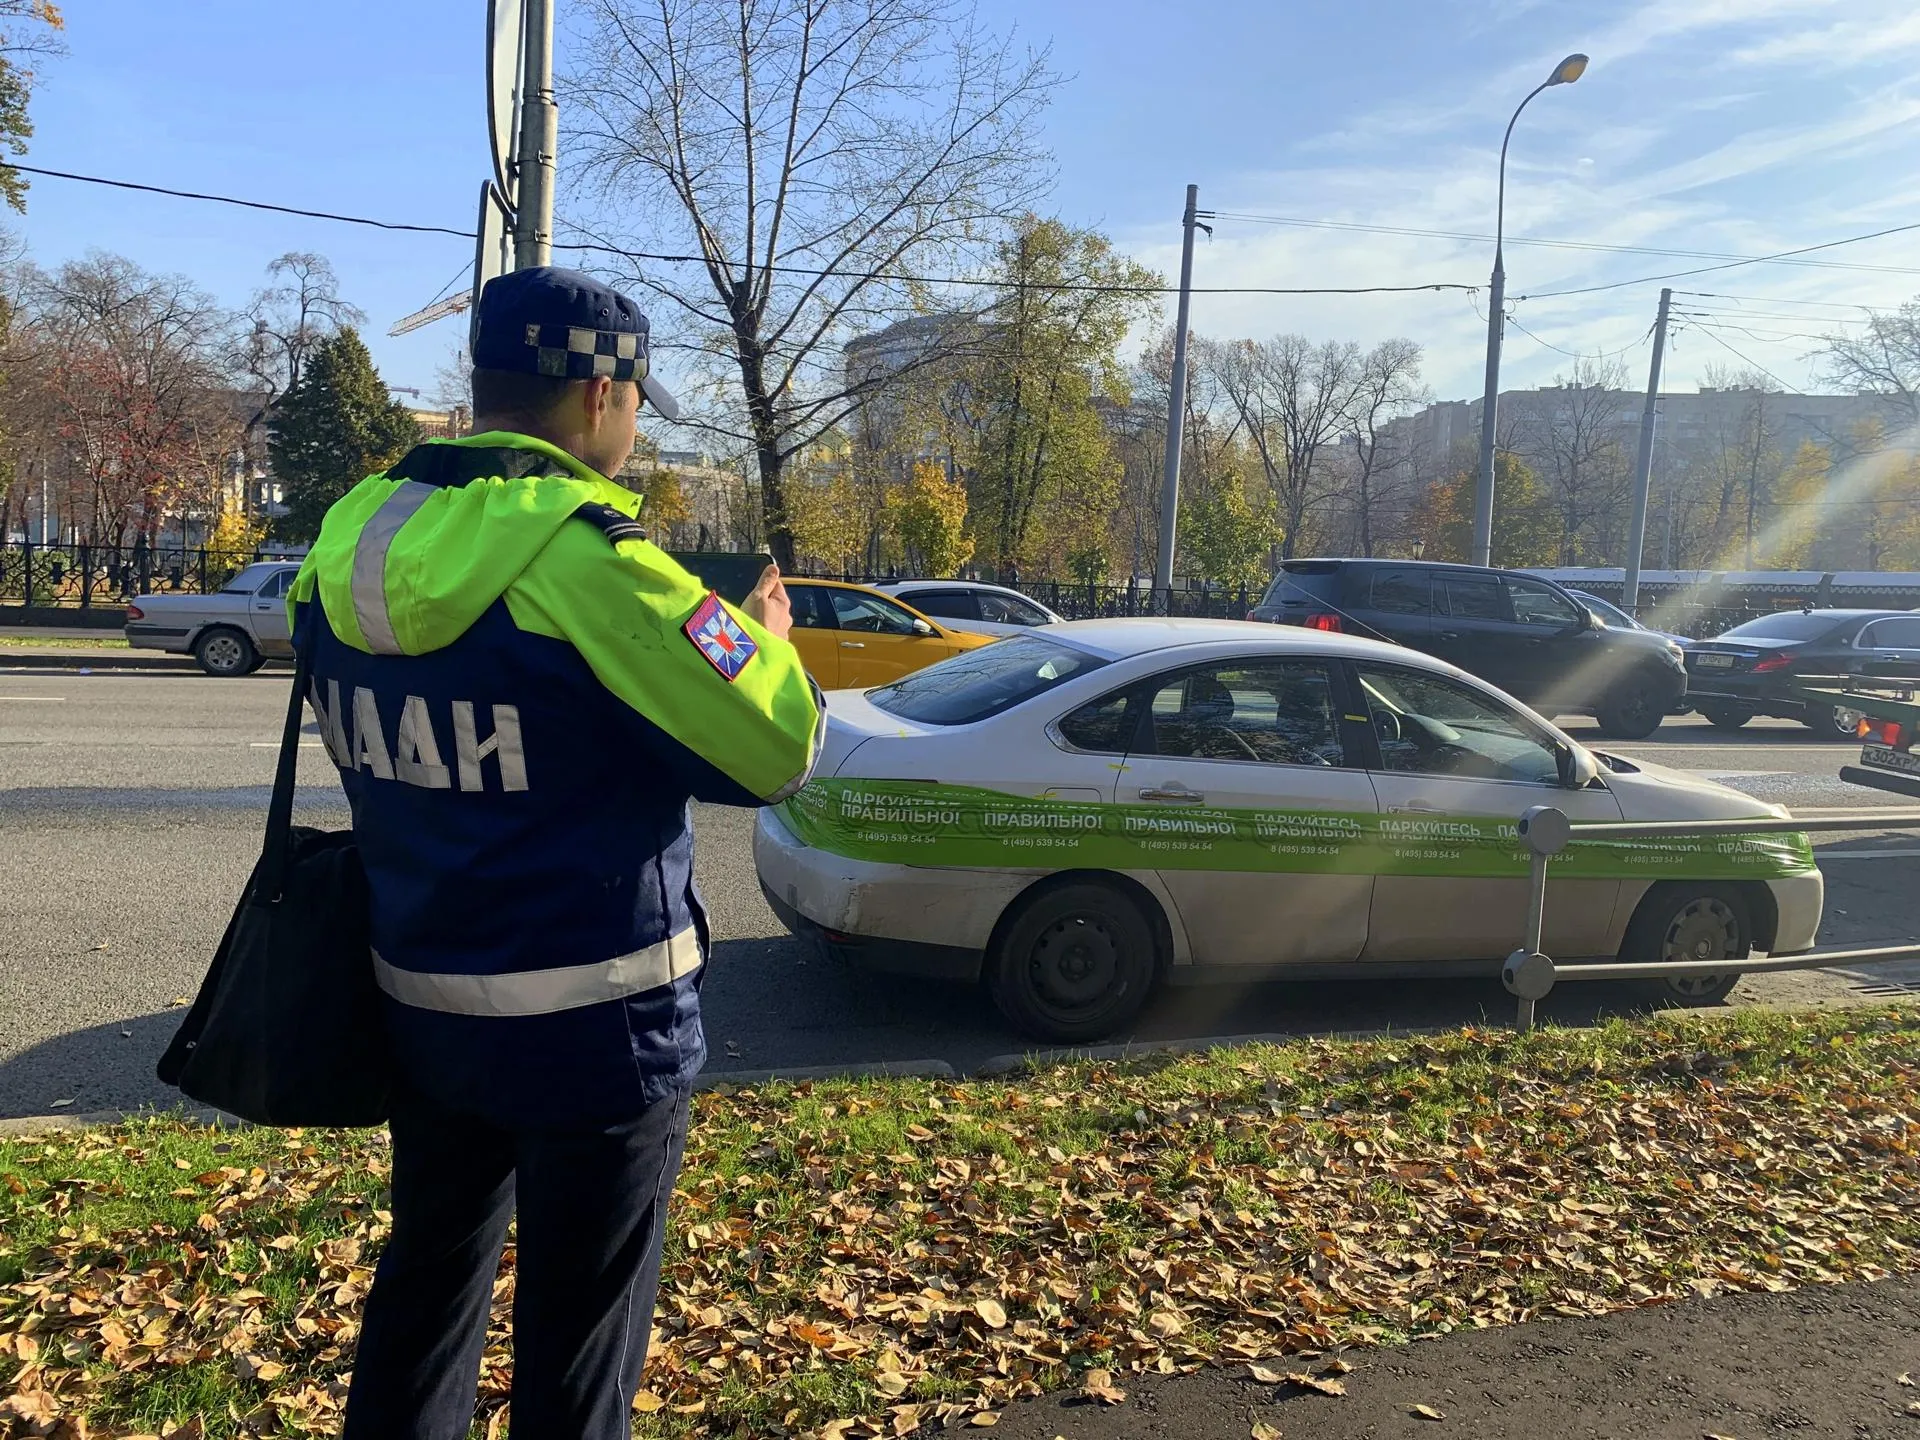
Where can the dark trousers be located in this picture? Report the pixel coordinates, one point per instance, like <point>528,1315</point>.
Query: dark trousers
<point>592,1215</point>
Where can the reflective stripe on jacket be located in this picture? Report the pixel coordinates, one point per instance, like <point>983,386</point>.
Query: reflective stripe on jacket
<point>521,705</point>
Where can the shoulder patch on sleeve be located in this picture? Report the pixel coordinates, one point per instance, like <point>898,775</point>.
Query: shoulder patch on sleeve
<point>719,637</point>
<point>610,522</point>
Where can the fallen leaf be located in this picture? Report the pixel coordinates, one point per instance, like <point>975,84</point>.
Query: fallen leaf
<point>1099,1386</point>
<point>646,1402</point>
<point>1316,1382</point>
<point>1427,1412</point>
<point>1264,1375</point>
<point>1336,1367</point>
<point>1903,1378</point>
<point>994,1313</point>
<point>1263,1431</point>
<point>62,1104</point>
<point>984,1418</point>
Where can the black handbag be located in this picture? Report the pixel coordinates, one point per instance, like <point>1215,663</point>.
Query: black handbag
<point>288,1027</point>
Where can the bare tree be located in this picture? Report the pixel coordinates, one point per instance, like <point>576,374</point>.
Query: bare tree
<point>1294,398</point>
<point>290,318</point>
<point>1884,360</point>
<point>817,156</point>
<point>1389,386</point>
<point>1570,433</point>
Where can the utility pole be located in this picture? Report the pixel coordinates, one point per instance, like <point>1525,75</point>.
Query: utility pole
<point>1643,468</point>
<point>1177,404</point>
<point>539,142</point>
<point>1489,414</point>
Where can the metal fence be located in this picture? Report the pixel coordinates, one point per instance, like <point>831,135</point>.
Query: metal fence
<point>82,575</point>
<point>1530,975</point>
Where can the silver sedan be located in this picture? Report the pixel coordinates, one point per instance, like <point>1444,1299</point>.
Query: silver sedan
<point>232,632</point>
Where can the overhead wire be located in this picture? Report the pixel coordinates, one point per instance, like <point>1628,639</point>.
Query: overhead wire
<point>1744,359</point>
<point>1730,265</point>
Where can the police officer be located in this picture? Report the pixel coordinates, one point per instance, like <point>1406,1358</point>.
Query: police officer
<point>522,694</point>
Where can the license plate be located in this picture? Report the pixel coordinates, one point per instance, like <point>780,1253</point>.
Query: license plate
<point>1881,757</point>
<point>1714,662</point>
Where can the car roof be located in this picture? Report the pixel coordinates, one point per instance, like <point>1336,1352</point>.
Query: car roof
<point>917,584</point>
<point>1123,637</point>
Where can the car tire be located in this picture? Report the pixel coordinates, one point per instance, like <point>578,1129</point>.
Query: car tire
<point>225,653</point>
<point>1689,920</point>
<point>1837,723</point>
<point>1073,962</point>
<point>1632,712</point>
<point>1722,718</point>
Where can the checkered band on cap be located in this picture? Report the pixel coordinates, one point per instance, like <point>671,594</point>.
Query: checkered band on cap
<point>574,352</point>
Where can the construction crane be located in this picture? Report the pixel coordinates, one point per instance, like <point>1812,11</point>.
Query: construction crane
<point>439,310</point>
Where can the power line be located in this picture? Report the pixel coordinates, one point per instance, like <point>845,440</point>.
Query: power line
<point>702,259</point>
<point>1576,354</point>
<point>247,204</point>
<point>1731,265</point>
<point>1789,389</point>
<point>1776,300</point>
<point>1347,225</point>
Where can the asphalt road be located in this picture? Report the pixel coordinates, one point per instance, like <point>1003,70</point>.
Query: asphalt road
<point>131,806</point>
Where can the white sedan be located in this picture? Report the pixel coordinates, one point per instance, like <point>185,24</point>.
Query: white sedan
<point>972,605</point>
<point>1081,812</point>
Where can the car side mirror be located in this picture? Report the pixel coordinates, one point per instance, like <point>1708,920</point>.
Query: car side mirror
<point>921,627</point>
<point>1577,767</point>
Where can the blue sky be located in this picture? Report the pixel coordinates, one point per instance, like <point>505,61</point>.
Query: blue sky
<point>1738,126</point>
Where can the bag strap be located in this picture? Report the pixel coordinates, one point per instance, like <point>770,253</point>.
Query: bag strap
<point>279,840</point>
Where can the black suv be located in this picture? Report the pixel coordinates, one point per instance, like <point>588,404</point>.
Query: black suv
<point>1753,668</point>
<point>1524,634</point>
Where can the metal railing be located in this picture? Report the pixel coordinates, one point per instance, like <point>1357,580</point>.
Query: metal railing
<point>1530,975</point>
<point>81,574</point>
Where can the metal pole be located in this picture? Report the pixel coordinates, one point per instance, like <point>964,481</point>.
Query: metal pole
<point>1643,468</point>
<point>1496,323</point>
<point>539,142</point>
<point>1176,406</point>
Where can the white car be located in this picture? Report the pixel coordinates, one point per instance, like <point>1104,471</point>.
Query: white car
<point>972,605</point>
<point>1080,812</point>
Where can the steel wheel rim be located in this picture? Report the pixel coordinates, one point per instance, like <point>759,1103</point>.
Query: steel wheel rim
<point>223,652</point>
<point>1845,721</point>
<point>1073,965</point>
<point>1702,929</point>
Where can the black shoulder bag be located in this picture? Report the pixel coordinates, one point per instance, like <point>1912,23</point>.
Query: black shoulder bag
<point>288,1027</point>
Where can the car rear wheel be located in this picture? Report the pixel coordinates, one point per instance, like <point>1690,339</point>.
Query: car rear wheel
<point>1837,723</point>
<point>1632,712</point>
<point>1723,718</point>
<point>1682,920</point>
<point>224,653</point>
<point>1074,962</point>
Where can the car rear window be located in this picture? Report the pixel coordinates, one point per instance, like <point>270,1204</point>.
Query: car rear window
<point>1792,625</point>
<point>249,580</point>
<point>981,683</point>
<point>1303,583</point>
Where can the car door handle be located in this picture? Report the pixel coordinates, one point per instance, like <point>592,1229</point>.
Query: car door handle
<point>1449,634</point>
<point>1415,809</point>
<point>853,644</point>
<point>1171,792</point>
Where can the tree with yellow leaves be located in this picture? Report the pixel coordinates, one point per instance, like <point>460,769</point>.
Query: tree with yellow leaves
<point>929,516</point>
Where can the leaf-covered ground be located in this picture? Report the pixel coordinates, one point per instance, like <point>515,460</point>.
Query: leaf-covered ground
<point>863,1258</point>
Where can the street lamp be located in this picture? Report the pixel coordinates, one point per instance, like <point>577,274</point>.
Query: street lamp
<point>1419,549</point>
<point>1565,73</point>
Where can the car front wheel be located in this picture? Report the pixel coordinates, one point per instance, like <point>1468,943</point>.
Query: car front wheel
<point>1679,920</point>
<point>1632,712</point>
<point>224,653</point>
<point>1074,962</point>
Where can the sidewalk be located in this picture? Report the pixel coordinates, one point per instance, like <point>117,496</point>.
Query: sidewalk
<point>1825,1361</point>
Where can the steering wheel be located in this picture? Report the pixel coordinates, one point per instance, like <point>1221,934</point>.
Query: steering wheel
<point>1240,744</point>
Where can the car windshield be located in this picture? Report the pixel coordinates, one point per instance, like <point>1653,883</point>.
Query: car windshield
<point>249,580</point>
<point>1793,625</point>
<point>1609,613</point>
<point>984,682</point>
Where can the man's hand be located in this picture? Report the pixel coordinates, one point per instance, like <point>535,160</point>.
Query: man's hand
<point>769,604</point>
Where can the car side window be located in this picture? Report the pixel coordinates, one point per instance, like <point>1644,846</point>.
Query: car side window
<point>1537,604</point>
<point>808,609</point>
<point>1100,727</point>
<point>1434,725</point>
<point>945,604</point>
<point>1403,592</point>
<point>1277,712</point>
<point>1009,610</point>
<point>869,614</point>
<point>1897,634</point>
<point>276,586</point>
<point>1474,597</point>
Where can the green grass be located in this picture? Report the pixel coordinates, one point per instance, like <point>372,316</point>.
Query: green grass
<point>63,642</point>
<point>1173,1210</point>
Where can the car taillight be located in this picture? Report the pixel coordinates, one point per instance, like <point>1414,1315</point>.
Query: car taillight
<point>1323,622</point>
<point>1887,732</point>
<point>134,612</point>
<point>1772,662</point>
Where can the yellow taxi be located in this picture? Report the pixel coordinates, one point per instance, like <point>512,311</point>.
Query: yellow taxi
<point>851,638</point>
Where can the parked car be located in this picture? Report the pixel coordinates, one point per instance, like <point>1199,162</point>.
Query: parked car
<point>1612,615</point>
<point>1524,634</point>
<point>972,605</point>
<point>1122,802</point>
<point>850,636</point>
<point>232,632</point>
<point>1753,668</point>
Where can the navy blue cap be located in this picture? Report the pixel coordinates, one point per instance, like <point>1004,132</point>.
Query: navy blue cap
<point>550,321</point>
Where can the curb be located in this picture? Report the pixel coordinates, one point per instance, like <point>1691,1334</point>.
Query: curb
<point>1015,1064</point>
<point>19,660</point>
